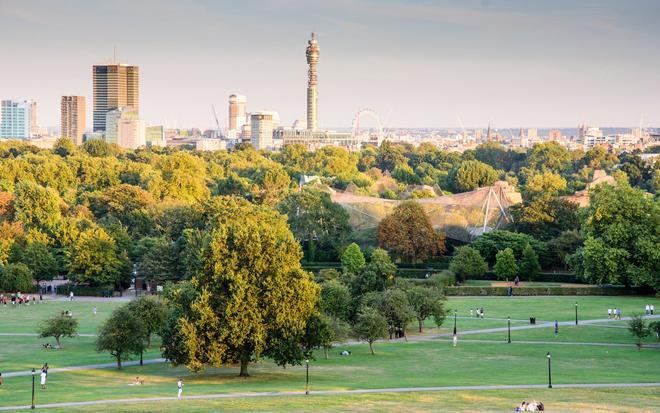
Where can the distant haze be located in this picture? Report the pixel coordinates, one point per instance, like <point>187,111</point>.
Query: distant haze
<point>417,63</point>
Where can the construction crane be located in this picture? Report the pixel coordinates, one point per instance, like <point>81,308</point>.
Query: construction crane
<point>217,122</point>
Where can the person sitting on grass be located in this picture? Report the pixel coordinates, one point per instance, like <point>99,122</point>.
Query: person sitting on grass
<point>137,381</point>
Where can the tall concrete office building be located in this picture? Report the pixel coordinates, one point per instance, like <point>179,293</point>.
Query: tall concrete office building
<point>15,119</point>
<point>262,130</point>
<point>115,86</point>
<point>312,94</point>
<point>72,113</point>
<point>237,113</point>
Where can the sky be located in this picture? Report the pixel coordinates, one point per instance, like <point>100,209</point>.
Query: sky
<point>417,63</point>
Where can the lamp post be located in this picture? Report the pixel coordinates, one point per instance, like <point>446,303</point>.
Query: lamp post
<point>508,319</point>
<point>33,373</point>
<point>455,313</point>
<point>549,372</point>
<point>307,376</point>
<point>576,318</point>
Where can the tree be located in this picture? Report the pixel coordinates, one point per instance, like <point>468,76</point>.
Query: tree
<point>394,306</point>
<point>622,237</point>
<point>159,260</point>
<point>252,290</point>
<point>408,232</point>
<point>370,326</point>
<point>58,326</point>
<point>94,259</point>
<point>335,300</point>
<point>467,263</point>
<point>470,175</point>
<point>654,327</point>
<point>378,274</point>
<point>39,259</point>
<point>389,156</point>
<point>313,216</point>
<point>529,263</point>
<point>127,203</point>
<point>64,146</point>
<point>638,328</point>
<point>549,156</point>
<point>36,206</point>
<point>97,148</point>
<point>15,277</point>
<point>152,312</point>
<point>352,259</point>
<point>490,243</point>
<point>505,264</point>
<point>426,302</point>
<point>122,335</point>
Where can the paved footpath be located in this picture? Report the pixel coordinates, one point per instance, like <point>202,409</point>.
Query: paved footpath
<point>334,392</point>
<point>86,367</point>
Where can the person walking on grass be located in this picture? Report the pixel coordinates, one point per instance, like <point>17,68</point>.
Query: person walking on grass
<point>179,385</point>
<point>43,379</point>
<point>94,311</point>
<point>71,296</point>
<point>609,313</point>
<point>652,309</point>
<point>556,328</point>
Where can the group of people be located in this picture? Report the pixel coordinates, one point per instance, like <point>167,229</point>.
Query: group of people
<point>614,313</point>
<point>530,407</point>
<point>18,298</point>
<point>649,309</point>
<point>477,312</point>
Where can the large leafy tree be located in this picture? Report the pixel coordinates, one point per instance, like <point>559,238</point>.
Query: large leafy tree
<point>426,302</point>
<point>94,259</point>
<point>152,312</point>
<point>394,306</point>
<point>529,263</point>
<point>36,206</point>
<point>467,263</point>
<point>127,203</point>
<point>370,325</point>
<point>470,175</point>
<point>122,335</point>
<point>253,293</point>
<point>505,264</point>
<point>39,259</point>
<point>622,237</point>
<point>408,233</point>
<point>352,258</point>
<point>313,216</point>
<point>15,277</point>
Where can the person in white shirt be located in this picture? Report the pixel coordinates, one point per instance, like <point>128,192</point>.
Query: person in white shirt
<point>647,309</point>
<point>179,384</point>
<point>43,379</point>
<point>609,313</point>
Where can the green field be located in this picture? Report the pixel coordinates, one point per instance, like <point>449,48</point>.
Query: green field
<point>396,364</point>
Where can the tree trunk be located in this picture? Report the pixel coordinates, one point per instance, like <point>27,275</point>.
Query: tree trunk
<point>57,339</point>
<point>244,367</point>
<point>118,356</point>
<point>325,352</point>
<point>420,324</point>
<point>405,336</point>
<point>371,347</point>
<point>149,340</point>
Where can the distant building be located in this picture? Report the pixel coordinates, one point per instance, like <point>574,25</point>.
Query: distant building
<point>313,140</point>
<point>124,127</point>
<point>155,136</point>
<point>237,112</point>
<point>554,135</point>
<point>15,119</point>
<point>115,86</point>
<point>72,115</point>
<point>261,134</point>
<point>204,144</point>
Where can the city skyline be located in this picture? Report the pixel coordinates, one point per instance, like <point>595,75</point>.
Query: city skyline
<point>419,64</point>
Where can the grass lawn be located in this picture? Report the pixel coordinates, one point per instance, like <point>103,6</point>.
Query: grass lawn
<point>433,363</point>
<point>555,400</point>
<point>548,308</point>
<point>396,364</point>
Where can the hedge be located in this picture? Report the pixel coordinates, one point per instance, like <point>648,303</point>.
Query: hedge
<point>530,291</point>
<point>86,290</point>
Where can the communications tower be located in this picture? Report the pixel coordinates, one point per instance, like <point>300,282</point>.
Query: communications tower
<point>312,94</point>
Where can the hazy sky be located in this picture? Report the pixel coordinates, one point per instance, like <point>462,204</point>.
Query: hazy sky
<point>418,63</point>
